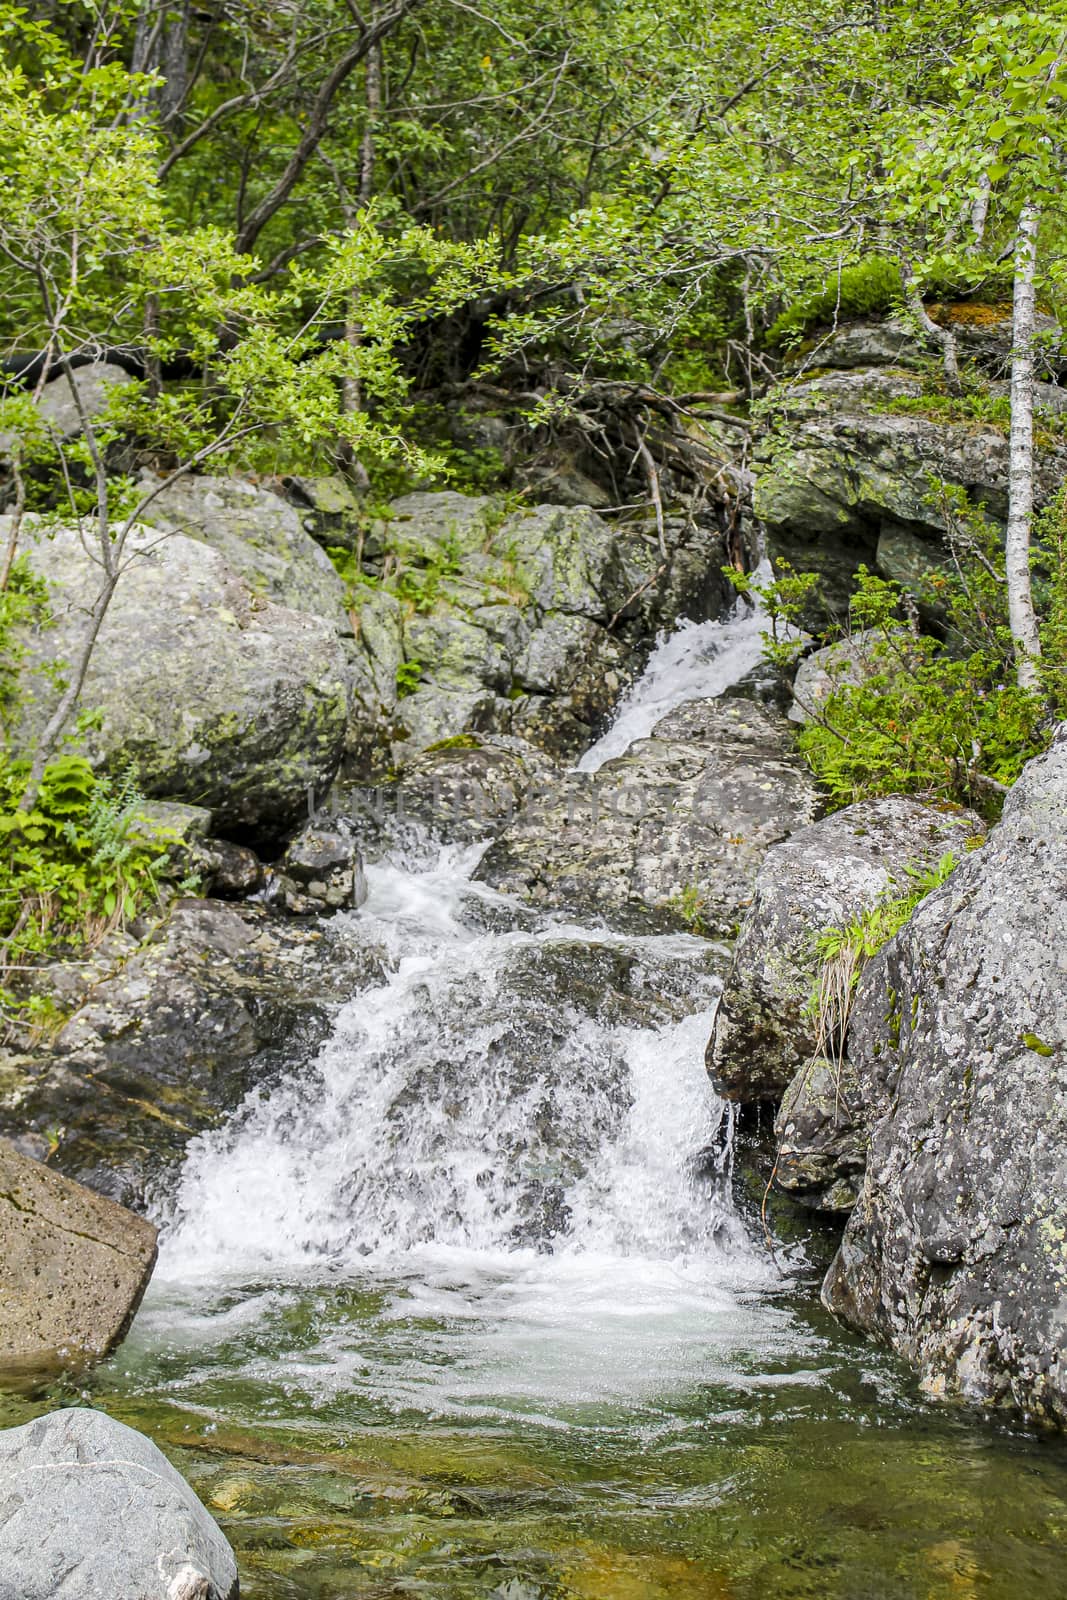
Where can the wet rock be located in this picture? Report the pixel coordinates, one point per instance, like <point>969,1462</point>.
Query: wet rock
<point>231,871</point>
<point>670,834</point>
<point>824,876</point>
<point>93,1511</point>
<point>220,698</point>
<point>260,536</point>
<point>821,1137</point>
<point>322,870</point>
<point>73,1268</point>
<point>170,1038</point>
<point>955,1251</point>
<point>463,790</point>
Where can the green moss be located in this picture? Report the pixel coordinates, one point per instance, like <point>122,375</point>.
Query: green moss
<point>459,741</point>
<point>867,288</point>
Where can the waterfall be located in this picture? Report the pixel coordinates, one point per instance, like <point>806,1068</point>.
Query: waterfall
<point>698,661</point>
<point>512,1136</point>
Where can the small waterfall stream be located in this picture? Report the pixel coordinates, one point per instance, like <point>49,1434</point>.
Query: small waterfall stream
<point>517,1116</point>
<point>461,1309</point>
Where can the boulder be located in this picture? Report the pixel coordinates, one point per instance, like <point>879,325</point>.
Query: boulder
<point>91,1510</point>
<point>230,871</point>
<point>848,468</point>
<point>322,870</point>
<point>891,343</point>
<point>219,697</point>
<point>260,536</point>
<point>73,1268</point>
<point>669,834</point>
<point>330,509</point>
<point>821,1140</point>
<point>472,619</point>
<point>173,1032</point>
<point>824,876</point>
<point>955,1253</point>
<point>94,383</point>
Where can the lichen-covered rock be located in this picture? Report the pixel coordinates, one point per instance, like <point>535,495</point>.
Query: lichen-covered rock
<point>73,1268</point>
<point>823,876</point>
<point>670,834</point>
<point>465,789</point>
<point>219,697</point>
<point>260,536</point>
<point>330,509</point>
<point>170,1035</point>
<point>473,619</point>
<point>849,465</point>
<point>956,1252</point>
<point>92,1510</point>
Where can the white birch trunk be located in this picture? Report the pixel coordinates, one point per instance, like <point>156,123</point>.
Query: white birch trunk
<point>1021,615</point>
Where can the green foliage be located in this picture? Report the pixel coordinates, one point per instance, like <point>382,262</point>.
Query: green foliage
<point>82,862</point>
<point>783,600</point>
<point>914,714</point>
<point>458,741</point>
<point>689,906</point>
<point>870,287</point>
<point>922,719</point>
<point>24,601</point>
<point>867,933</point>
<point>408,678</point>
<point>844,952</point>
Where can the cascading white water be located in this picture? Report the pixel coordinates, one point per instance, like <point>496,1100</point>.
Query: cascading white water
<point>698,661</point>
<point>516,1126</point>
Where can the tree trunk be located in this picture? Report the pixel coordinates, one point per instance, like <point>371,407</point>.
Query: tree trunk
<point>351,396</point>
<point>1021,615</point>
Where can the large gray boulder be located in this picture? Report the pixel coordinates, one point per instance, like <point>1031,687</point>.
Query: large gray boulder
<point>73,1268</point>
<point>259,535</point>
<point>670,834</point>
<point>62,413</point>
<point>91,1510</point>
<point>846,469</point>
<point>823,876</point>
<point>955,1253</point>
<point>473,618</point>
<point>218,697</point>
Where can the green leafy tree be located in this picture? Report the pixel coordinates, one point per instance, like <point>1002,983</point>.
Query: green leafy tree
<point>91,255</point>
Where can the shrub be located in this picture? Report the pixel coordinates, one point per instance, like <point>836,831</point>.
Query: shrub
<point>81,862</point>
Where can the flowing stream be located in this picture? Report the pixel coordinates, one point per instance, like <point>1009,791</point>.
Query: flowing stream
<point>465,1306</point>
